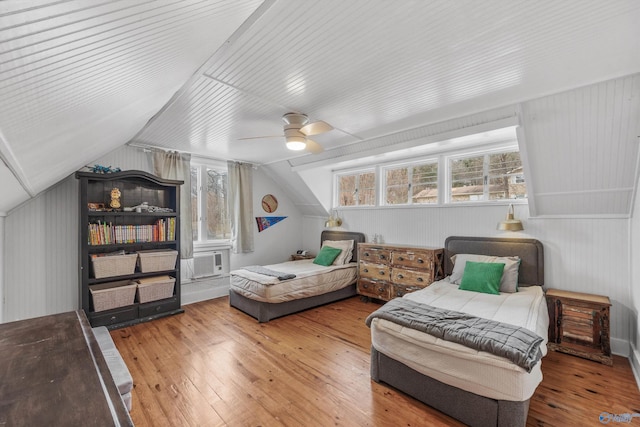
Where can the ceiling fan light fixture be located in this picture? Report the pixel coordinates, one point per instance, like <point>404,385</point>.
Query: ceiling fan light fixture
<point>296,143</point>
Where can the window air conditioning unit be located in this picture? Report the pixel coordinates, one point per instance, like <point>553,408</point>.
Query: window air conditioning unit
<point>207,264</point>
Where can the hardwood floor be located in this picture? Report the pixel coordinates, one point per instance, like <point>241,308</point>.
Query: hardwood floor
<point>216,366</point>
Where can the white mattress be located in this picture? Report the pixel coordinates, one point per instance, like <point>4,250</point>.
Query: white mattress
<point>311,280</point>
<point>475,371</point>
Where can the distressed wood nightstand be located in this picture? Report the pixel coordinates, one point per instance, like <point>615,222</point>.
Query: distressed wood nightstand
<point>298,257</point>
<point>579,324</point>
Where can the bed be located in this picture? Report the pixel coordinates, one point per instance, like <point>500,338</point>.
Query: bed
<point>475,387</point>
<point>266,298</point>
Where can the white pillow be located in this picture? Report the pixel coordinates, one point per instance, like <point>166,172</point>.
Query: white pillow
<point>345,245</point>
<point>509,281</point>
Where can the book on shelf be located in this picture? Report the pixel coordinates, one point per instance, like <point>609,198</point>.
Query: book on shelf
<point>101,233</point>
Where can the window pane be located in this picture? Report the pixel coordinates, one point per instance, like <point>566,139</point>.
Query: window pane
<point>467,179</point>
<point>218,225</point>
<point>367,189</point>
<point>347,190</point>
<point>194,203</point>
<point>424,183</point>
<point>506,178</point>
<point>397,186</point>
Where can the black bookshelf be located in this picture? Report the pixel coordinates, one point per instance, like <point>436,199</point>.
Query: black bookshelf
<point>161,230</point>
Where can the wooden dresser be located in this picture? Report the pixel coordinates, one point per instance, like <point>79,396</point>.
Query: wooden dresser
<point>389,271</point>
<point>579,324</point>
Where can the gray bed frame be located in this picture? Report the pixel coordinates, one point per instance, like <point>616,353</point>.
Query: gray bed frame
<point>265,311</point>
<point>470,408</point>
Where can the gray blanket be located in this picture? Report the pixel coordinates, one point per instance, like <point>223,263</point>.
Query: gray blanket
<point>268,272</point>
<point>519,345</point>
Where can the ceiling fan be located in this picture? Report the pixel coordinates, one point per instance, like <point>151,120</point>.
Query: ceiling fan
<point>297,129</point>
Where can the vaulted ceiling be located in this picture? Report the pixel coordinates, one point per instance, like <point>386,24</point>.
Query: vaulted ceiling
<point>79,78</point>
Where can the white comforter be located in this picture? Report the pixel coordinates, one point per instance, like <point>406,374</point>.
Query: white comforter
<point>475,371</point>
<point>311,280</point>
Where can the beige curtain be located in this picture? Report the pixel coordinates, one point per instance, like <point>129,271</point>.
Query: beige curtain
<point>241,206</point>
<point>173,165</point>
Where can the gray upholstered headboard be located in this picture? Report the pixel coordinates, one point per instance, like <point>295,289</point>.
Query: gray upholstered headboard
<point>530,251</point>
<point>344,235</point>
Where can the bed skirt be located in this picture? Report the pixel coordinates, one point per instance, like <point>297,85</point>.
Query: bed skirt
<point>265,311</point>
<point>470,408</point>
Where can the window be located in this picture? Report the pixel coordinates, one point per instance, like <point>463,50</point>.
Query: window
<point>357,189</point>
<point>413,184</point>
<point>481,167</point>
<point>209,187</point>
<point>486,176</point>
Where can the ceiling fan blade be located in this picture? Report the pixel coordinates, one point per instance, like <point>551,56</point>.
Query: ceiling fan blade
<point>315,128</point>
<point>261,137</point>
<point>314,147</point>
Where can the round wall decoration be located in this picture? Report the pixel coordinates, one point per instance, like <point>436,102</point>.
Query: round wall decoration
<point>269,203</point>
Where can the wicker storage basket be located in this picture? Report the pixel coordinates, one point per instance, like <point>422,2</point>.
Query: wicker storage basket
<point>113,265</point>
<point>113,294</point>
<point>157,260</point>
<point>155,288</point>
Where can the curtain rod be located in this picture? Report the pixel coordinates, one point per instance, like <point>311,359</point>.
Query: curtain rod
<point>153,148</point>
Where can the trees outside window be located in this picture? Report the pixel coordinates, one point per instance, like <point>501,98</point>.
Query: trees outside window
<point>412,184</point>
<point>487,176</point>
<point>357,189</point>
<point>209,191</point>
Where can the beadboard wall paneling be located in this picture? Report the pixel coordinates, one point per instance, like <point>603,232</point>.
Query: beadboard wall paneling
<point>41,267</point>
<point>582,148</point>
<point>581,254</point>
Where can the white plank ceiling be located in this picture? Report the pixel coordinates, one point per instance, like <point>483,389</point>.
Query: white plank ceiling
<point>78,78</point>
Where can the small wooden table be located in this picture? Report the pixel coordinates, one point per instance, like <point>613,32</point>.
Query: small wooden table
<point>298,257</point>
<point>579,324</point>
<point>52,373</point>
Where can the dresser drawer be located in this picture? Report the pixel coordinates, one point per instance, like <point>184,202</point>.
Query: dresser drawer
<point>374,289</point>
<point>415,259</point>
<point>374,255</point>
<point>407,277</point>
<point>374,271</point>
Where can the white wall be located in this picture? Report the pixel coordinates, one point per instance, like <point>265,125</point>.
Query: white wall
<point>581,254</point>
<point>41,267</point>
<point>634,291</point>
<point>278,242</point>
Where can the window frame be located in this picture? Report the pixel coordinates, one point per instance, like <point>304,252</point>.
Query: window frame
<point>382,197</point>
<point>442,158</point>
<point>357,173</point>
<point>202,166</point>
<point>486,151</point>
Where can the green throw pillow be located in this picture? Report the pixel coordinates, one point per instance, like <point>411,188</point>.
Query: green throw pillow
<point>326,256</point>
<point>482,277</point>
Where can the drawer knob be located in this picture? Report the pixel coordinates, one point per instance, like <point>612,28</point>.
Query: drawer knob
<point>400,258</point>
<point>380,290</point>
<point>420,261</point>
<point>420,279</point>
<point>113,317</point>
<point>400,276</point>
<point>366,254</point>
<point>382,273</point>
<point>381,256</point>
<point>366,270</point>
<point>364,285</point>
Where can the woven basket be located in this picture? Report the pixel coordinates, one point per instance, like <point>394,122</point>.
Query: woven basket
<point>113,294</point>
<point>157,260</point>
<point>113,265</point>
<point>155,288</point>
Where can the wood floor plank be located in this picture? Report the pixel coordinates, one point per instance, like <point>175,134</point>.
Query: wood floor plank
<point>216,366</point>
